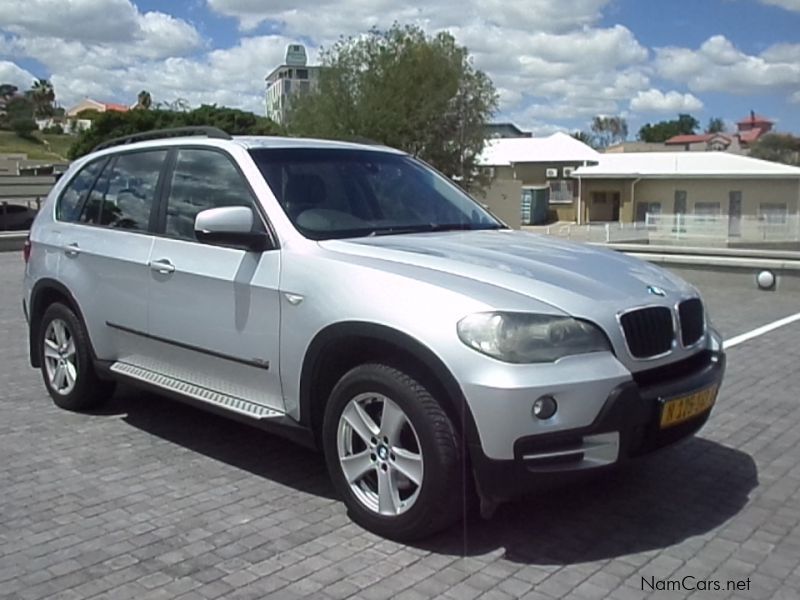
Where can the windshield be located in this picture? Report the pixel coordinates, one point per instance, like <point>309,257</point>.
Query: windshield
<point>335,193</point>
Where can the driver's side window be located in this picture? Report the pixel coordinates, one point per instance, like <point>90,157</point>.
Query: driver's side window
<point>202,179</point>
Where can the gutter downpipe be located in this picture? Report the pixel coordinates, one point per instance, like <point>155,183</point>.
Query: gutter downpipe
<point>580,192</point>
<point>633,199</point>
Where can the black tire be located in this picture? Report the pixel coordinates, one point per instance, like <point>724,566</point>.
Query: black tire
<point>88,391</point>
<point>439,500</point>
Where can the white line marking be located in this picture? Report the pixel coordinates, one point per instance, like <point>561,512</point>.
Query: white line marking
<point>736,340</point>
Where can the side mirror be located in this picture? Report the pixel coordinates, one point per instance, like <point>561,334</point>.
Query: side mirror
<point>230,226</point>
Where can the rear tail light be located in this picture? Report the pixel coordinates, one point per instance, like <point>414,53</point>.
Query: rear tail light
<point>26,250</point>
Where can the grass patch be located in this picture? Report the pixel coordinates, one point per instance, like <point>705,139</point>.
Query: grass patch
<point>49,146</point>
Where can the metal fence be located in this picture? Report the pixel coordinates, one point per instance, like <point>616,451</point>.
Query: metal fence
<point>702,230</point>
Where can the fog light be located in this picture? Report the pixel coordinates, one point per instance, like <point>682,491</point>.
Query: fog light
<point>544,407</point>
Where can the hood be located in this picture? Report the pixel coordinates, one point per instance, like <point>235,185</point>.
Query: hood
<point>579,279</point>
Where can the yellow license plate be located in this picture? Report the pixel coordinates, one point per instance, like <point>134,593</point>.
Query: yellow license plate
<point>682,409</point>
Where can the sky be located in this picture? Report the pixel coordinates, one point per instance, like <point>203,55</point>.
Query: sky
<point>555,63</point>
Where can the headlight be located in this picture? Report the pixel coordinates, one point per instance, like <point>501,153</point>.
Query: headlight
<point>529,338</point>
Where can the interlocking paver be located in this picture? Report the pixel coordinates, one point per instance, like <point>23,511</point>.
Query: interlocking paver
<point>150,499</point>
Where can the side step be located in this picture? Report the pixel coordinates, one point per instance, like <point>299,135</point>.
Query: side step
<point>201,394</point>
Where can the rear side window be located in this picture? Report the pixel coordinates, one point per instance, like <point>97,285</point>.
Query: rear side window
<point>202,179</point>
<point>125,193</point>
<point>72,198</point>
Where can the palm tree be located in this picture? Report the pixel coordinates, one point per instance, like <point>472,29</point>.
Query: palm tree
<point>144,100</point>
<point>43,96</point>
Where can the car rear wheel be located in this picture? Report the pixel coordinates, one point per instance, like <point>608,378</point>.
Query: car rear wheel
<point>392,453</point>
<point>66,361</point>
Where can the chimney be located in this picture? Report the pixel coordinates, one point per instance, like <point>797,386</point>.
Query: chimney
<point>752,116</point>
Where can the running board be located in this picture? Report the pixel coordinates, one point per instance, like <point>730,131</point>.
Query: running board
<point>196,392</point>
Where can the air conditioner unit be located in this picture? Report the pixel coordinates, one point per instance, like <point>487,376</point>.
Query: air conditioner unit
<point>551,173</point>
<point>568,171</point>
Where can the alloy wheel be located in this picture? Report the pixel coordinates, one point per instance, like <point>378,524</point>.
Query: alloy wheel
<point>380,454</point>
<point>60,358</point>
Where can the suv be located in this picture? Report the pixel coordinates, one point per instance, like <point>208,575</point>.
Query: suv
<point>351,298</point>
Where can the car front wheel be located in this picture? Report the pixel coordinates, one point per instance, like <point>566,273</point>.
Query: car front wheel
<point>392,453</point>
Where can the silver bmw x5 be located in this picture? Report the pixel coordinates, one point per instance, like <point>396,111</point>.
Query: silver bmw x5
<point>348,297</point>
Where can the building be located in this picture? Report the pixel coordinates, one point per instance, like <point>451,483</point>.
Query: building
<point>748,132</point>
<point>293,77</point>
<point>531,179</point>
<point>714,186</point>
<point>558,178</point>
<point>89,104</point>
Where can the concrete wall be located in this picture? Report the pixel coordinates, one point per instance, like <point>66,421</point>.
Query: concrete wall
<point>504,197</point>
<point>593,211</point>
<point>754,192</point>
<point>508,181</point>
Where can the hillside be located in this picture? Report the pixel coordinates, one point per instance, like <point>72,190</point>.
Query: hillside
<point>53,147</point>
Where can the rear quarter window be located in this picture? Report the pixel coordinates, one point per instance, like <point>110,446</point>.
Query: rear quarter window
<point>68,207</point>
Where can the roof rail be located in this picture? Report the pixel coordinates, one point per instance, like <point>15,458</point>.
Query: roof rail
<point>211,132</point>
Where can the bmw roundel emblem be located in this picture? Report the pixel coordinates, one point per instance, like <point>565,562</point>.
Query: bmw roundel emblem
<point>655,291</point>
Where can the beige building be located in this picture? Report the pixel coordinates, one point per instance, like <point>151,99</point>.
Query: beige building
<point>89,104</point>
<point>543,180</point>
<point>531,178</point>
<point>719,186</point>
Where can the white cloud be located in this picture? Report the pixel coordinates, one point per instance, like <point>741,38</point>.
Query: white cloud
<point>230,77</point>
<point>89,20</point>
<point>656,101</point>
<point>59,33</point>
<point>718,66</point>
<point>331,18</point>
<point>15,75</point>
<point>787,4</point>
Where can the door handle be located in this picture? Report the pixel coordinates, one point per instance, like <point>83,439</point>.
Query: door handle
<point>161,265</point>
<point>72,249</point>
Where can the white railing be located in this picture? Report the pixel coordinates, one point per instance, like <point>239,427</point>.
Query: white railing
<point>699,229</point>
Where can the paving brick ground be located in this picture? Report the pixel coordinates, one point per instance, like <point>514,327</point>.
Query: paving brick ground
<point>150,499</point>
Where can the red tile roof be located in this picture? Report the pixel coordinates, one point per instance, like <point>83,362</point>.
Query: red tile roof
<point>116,107</point>
<point>749,136</point>
<point>693,138</point>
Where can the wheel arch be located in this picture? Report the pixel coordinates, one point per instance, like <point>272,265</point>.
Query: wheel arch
<point>44,293</point>
<point>342,346</point>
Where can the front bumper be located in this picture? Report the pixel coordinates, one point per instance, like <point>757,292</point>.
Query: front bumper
<point>626,427</point>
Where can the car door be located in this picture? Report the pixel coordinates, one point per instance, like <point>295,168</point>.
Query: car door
<point>106,241</point>
<point>214,311</point>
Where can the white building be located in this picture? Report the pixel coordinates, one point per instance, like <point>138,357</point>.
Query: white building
<point>293,77</point>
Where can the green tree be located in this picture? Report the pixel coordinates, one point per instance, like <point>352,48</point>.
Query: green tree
<point>715,125</point>
<point>778,147</point>
<point>405,89</point>
<point>7,91</point>
<point>24,128</point>
<point>609,130</point>
<point>43,97</point>
<point>663,130</point>
<point>144,100</point>
<point>585,137</point>
<point>16,108</point>
<point>113,124</point>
